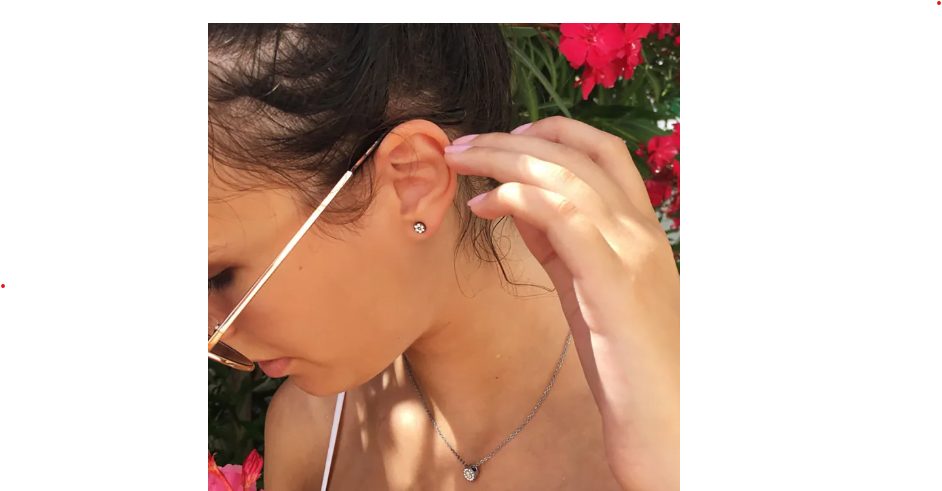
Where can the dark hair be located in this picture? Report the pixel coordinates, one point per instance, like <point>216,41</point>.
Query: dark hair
<point>297,102</point>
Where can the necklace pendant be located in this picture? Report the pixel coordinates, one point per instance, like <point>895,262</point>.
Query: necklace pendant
<point>471,472</point>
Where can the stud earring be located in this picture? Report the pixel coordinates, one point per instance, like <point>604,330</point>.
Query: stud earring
<point>419,227</point>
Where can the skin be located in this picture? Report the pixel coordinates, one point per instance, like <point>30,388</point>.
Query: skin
<point>345,307</point>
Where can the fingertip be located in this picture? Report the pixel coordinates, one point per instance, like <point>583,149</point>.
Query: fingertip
<point>477,199</point>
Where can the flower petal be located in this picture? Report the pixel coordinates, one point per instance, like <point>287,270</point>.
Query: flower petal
<point>636,31</point>
<point>609,37</point>
<point>644,29</point>
<point>574,50</point>
<point>664,29</point>
<point>573,30</point>
<point>658,191</point>
<point>251,469</point>
<point>217,480</point>
<point>606,75</point>
<point>597,58</point>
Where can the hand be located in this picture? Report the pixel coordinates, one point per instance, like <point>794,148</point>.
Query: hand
<point>582,210</point>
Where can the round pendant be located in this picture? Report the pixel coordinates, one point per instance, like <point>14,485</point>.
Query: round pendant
<point>471,472</point>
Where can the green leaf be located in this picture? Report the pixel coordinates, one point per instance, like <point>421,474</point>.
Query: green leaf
<point>613,128</point>
<point>615,112</point>
<point>646,54</point>
<point>519,32</point>
<point>529,98</point>
<point>643,129</point>
<point>642,169</point>
<point>550,61</point>
<point>655,85</point>
<point>636,81</point>
<point>539,76</point>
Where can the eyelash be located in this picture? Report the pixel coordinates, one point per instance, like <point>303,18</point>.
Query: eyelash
<point>220,281</point>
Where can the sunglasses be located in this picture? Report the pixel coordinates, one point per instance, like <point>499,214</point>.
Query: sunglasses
<point>230,357</point>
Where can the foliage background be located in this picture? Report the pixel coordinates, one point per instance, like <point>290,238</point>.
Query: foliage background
<point>636,110</point>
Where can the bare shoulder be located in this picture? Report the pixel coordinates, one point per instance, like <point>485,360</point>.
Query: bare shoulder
<point>297,432</point>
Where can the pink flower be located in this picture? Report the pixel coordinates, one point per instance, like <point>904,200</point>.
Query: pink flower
<point>231,477</point>
<point>596,44</point>
<point>218,481</point>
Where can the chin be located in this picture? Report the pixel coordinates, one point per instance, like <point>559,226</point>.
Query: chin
<point>319,384</point>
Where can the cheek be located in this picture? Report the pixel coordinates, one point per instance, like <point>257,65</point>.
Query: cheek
<point>336,303</point>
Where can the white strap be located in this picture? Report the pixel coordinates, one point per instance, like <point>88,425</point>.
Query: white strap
<point>338,410</point>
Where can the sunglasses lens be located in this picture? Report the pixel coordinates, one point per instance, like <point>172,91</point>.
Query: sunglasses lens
<point>225,354</point>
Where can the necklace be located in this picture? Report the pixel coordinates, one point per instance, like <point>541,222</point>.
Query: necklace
<point>470,471</point>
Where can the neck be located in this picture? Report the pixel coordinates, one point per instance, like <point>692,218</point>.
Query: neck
<point>489,356</point>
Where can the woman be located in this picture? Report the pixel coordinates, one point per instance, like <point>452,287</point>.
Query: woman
<point>427,342</point>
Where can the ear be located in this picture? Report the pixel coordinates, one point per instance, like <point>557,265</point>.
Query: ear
<point>411,161</point>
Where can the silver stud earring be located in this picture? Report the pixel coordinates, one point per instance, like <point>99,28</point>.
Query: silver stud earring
<point>419,227</point>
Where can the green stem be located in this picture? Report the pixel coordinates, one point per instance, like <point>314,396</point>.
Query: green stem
<point>529,96</point>
<point>538,31</point>
<point>522,57</point>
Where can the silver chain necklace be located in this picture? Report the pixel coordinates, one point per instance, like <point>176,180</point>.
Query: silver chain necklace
<point>471,470</point>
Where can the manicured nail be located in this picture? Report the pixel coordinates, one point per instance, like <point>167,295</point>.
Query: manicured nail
<point>477,199</point>
<point>464,139</point>
<point>457,148</point>
<point>520,129</point>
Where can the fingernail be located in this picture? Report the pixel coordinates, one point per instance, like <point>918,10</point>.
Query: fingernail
<point>520,129</point>
<point>477,199</point>
<point>457,148</point>
<point>464,139</point>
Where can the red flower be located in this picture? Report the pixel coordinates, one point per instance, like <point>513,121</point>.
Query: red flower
<point>604,75</point>
<point>661,153</point>
<point>637,31</point>
<point>677,41</point>
<point>592,43</point>
<point>251,469</point>
<point>630,55</point>
<point>664,30</point>
<point>664,182</point>
<point>658,191</point>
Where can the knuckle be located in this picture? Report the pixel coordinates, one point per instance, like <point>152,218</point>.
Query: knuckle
<point>567,209</point>
<point>552,121</point>
<point>615,144</point>
<point>565,177</point>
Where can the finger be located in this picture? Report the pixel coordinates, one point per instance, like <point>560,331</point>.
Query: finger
<point>608,151</point>
<point>575,239</point>
<point>576,161</point>
<point>511,166</point>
